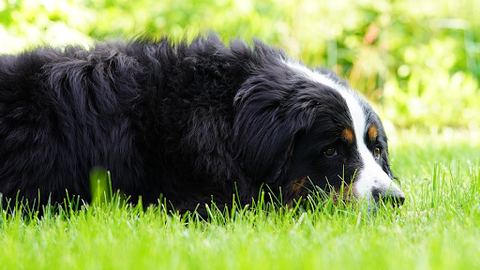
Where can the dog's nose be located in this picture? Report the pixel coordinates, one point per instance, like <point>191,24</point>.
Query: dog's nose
<point>393,195</point>
<point>397,199</point>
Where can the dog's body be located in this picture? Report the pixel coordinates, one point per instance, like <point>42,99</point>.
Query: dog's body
<point>192,122</point>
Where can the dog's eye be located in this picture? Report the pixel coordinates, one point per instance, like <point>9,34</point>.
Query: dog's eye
<point>376,153</point>
<point>330,152</point>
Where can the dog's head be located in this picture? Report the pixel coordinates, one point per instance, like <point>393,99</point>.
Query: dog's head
<point>300,129</point>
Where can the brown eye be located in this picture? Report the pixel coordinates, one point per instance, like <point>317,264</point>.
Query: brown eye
<point>330,152</point>
<point>376,153</point>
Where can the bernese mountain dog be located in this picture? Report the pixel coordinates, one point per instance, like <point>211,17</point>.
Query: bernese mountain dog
<point>192,122</point>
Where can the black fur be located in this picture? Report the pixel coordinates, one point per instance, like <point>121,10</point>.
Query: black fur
<point>192,122</point>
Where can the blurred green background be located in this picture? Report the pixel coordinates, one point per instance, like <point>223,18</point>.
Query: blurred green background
<point>417,61</point>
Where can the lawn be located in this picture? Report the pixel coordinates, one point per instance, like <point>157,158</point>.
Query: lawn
<point>437,228</point>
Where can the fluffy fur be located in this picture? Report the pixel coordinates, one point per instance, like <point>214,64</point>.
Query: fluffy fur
<point>193,122</point>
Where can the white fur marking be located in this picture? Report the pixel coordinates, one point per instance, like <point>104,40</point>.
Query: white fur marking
<point>371,175</point>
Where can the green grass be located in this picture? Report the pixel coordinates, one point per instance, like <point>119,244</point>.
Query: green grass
<point>437,228</point>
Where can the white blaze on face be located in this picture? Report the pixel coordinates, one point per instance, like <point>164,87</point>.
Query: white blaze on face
<point>371,176</point>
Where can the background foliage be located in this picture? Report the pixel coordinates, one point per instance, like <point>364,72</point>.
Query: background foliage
<point>418,60</point>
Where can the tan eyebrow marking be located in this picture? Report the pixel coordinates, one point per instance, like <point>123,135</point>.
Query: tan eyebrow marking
<point>348,135</point>
<point>372,132</point>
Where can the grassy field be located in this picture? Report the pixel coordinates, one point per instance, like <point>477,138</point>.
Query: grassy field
<point>437,228</point>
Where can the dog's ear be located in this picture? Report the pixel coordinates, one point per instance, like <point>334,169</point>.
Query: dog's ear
<point>268,118</point>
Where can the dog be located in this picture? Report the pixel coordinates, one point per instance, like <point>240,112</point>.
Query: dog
<point>192,122</point>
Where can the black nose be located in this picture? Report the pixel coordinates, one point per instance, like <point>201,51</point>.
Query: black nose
<point>395,197</point>
<point>397,200</point>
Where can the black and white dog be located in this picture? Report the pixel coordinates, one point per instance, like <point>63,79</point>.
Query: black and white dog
<point>192,122</point>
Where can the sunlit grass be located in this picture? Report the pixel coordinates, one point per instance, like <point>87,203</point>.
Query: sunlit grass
<point>437,228</point>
